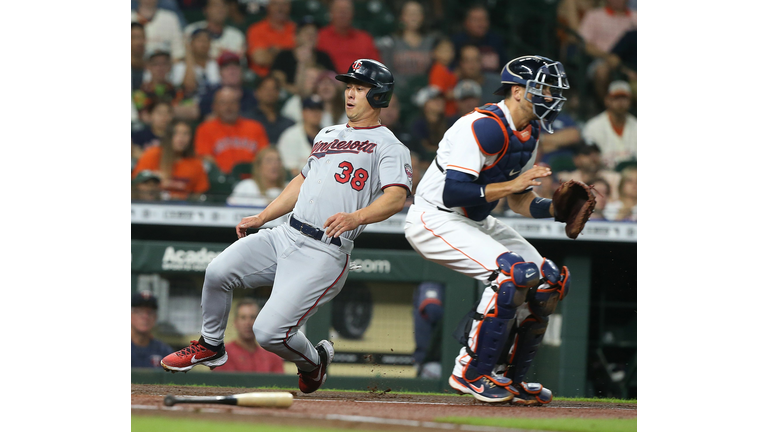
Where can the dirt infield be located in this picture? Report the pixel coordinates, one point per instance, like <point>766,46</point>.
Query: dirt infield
<point>375,410</point>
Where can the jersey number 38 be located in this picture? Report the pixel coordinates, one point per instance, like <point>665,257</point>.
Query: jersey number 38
<point>358,176</point>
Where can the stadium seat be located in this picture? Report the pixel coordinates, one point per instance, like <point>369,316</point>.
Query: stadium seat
<point>312,8</point>
<point>627,163</point>
<point>240,171</point>
<point>220,184</point>
<point>385,23</point>
<point>532,27</point>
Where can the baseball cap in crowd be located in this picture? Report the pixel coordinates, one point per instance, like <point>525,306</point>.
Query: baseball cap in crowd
<point>619,88</point>
<point>161,48</point>
<point>586,148</point>
<point>467,88</point>
<point>144,299</point>
<point>228,57</point>
<point>312,102</point>
<point>305,21</point>
<point>197,31</point>
<point>145,175</point>
<point>425,94</point>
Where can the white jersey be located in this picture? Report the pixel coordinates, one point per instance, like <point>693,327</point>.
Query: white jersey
<point>462,149</point>
<point>348,169</point>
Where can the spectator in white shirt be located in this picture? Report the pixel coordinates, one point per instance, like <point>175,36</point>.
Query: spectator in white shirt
<point>295,144</point>
<point>266,182</point>
<point>198,73</point>
<point>223,37</point>
<point>615,129</point>
<point>161,27</point>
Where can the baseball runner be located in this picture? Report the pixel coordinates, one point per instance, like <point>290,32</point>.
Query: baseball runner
<point>358,173</point>
<point>488,155</point>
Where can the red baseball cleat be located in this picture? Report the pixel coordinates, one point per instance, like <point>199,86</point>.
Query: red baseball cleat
<point>311,381</point>
<point>194,355</point>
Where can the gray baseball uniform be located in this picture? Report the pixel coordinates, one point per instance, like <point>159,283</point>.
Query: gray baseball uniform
<point>348,169</point>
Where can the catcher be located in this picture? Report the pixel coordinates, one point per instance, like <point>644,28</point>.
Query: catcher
<point>488,155</point>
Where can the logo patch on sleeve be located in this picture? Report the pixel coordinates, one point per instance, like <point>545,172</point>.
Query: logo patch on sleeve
<point>409,171</point>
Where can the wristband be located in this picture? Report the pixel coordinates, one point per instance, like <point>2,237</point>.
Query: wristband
<point>540,208</point>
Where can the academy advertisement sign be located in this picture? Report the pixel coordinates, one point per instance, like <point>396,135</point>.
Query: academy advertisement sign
<point>149,256</point>
<point>196,260</point>
<point>161,257</point>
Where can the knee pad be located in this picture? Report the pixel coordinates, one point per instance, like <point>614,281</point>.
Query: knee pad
<point>515,279</point>
<point>555,280</point>
<point>554,287</point>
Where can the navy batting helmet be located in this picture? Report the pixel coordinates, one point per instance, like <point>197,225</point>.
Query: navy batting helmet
<point>373,73</point>
<point>538,74</point>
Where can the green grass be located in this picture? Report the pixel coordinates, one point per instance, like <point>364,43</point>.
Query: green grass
<point>164,424</point>
<point>560,425</point>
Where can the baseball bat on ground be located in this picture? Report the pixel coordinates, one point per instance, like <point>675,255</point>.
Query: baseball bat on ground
<point>262,399</point>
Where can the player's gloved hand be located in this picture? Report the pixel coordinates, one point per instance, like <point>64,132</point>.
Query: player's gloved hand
<point>340,223</point>
<point>573,202</point>
<point>248,222</point>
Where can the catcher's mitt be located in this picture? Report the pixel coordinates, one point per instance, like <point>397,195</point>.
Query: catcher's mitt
<point>573,202</point>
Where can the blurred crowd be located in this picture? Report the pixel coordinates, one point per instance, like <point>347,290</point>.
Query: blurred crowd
<point>228,95</point>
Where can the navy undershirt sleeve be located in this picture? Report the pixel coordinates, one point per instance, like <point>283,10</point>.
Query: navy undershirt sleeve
<point>461,191</point>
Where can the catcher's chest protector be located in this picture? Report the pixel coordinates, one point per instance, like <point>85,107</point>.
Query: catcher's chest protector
<point>515,153</point>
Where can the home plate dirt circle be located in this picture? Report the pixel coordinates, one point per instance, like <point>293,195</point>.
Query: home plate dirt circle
<point>382,411</point>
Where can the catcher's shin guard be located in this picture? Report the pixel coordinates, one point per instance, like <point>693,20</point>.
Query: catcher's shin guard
<point>511,286</point>
<point>525,341</point>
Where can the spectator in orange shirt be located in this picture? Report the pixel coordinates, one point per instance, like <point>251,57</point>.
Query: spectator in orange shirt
<point>269,36</point>
<point>182,174</point>
<point>245,354</point>
<point>229,139</point>
<point>441,75</point>
<point>341,41</point>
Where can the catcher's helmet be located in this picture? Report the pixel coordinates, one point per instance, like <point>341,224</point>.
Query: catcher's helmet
<point>373,73</point>
<point>537,73</point>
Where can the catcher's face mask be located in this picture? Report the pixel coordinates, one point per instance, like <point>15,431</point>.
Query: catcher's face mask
<point>545,93</point>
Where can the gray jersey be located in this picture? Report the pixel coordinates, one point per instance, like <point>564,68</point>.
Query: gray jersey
<point>348,169</point>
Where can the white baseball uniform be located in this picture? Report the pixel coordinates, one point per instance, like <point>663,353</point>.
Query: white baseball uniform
<point>469,240</point>
<point>348,169</point>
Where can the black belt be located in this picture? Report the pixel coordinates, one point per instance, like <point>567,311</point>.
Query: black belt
<point>439,208</point>
<point>310,231</point>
